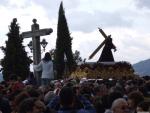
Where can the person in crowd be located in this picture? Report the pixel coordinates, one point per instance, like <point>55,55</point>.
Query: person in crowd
<point>111,98</point>
<point>144,106</point>
<point>34,92</point>
<point>31,105</point>
<point>48,96</point>
<point>17,85</point>
<point>57,87</point>
<point>120,105</point>
<point>100,95</point>
<point>31,79</point>
<point>4,105</point>
<point>17,100</point>
<point>134,98</point>
<point>46,66</point>
<point>66,102</point>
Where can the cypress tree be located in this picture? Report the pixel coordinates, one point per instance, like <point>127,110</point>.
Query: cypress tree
<point>15,63</point>
<point>63,44</point>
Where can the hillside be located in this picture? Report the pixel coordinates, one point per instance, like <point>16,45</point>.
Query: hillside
<point>142,67</point>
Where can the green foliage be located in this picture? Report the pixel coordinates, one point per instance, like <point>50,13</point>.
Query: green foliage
<point>15,62</point>
<point>63,44</point>
<point>77,57</point>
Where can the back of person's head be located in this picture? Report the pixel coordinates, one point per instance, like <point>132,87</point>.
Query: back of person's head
<point>20,97</point>
<point>99,106</point>
<point>96,89</point>
<point>47,57</point>
<point>31,105</point>
<point>136,97</point>
<point>113,96</point>
<point>26,105</point>
<point>33,92</point>
<point>119,105</point>
<point>66,96</point>
<point>69,84</point>
<point>143,106</point>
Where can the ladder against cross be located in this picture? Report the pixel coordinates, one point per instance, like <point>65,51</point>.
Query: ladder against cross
<point>35,33</point>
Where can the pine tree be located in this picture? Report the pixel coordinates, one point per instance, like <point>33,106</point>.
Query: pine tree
<point>15,63</point>
<point>63,44</point>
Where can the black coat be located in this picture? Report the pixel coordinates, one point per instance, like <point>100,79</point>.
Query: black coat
<point>107,55</point>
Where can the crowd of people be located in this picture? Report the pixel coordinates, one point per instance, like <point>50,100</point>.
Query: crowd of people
<point>76,96</point>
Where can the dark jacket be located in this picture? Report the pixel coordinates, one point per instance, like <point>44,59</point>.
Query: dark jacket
<point>87,106</point>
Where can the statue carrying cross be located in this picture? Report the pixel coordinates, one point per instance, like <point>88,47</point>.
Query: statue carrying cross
<point>35,33</point>
<point>106,55</point>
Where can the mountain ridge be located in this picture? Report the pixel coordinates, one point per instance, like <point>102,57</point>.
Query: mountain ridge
<point>142,68</point>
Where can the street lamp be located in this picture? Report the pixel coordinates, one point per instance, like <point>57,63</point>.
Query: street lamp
<point>43,44</point>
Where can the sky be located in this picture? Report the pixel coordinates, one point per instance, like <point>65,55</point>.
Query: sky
<point>127,21</point>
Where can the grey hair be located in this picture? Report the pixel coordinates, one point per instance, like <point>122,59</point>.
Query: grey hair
<point>117,102</point>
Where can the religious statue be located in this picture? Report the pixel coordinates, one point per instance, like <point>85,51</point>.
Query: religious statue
<point>106,55</point>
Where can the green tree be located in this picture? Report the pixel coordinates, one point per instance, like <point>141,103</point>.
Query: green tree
<point>15,63</point>
<point>63,44</point>
<point>78,58</point>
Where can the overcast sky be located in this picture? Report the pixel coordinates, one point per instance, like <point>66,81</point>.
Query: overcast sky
<point>128,21</point>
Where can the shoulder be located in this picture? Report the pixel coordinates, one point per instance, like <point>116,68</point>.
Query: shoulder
<point>50,62</point>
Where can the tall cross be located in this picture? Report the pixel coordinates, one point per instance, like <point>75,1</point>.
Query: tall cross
<point>35,33</point>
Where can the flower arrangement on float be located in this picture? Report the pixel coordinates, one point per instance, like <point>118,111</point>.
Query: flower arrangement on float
<point>103,70</point>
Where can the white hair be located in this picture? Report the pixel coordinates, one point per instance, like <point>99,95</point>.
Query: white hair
<point>117,102</point>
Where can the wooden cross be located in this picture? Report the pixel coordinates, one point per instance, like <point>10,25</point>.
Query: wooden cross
<point>35,33</point>
<point>100,46</point>
<point>41,32</point>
